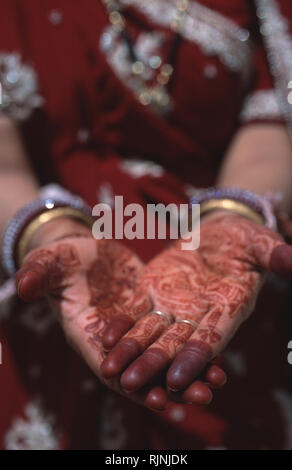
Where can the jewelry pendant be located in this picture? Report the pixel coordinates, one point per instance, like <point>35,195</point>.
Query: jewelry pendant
<point>157,98</point>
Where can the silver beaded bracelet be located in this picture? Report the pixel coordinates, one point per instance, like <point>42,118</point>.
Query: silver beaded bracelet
<point>51,197</point>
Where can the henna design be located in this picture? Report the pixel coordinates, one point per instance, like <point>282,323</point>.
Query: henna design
<point>112,281</point>
<point>216,286</point>
<point>172,340</point>
<point>209,335</point>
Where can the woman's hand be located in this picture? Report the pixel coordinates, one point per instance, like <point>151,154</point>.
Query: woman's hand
<point>88,283</point>
<point>215,287</point>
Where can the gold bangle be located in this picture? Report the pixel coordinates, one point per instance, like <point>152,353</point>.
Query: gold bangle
<point>234,206</point>
<point>42,219</point>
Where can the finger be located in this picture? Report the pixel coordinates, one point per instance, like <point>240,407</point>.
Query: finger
<point>144,332</point>
<point>140,305</point>
<point>156,399</point>
<point>200,391</point>
<point>272,254</point>
<point>153,397</point>
<point>233,302</point>
<point>34,279</point>
<point>284,225</point>
<point>114,332</point>
<point>216,377</point>
<point>213,378</point>
<point>281,261</point>
<point>198,394</point>
<point>156,358</point>
<point>31,282</point>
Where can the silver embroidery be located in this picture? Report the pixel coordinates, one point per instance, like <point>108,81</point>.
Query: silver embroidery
<point>139,168</point>
<point>214,33</point>
<point>211,31</point>
<point>262,104</point>
<point>19,87</point>
<point>56,17</point>
<point>116,51</point>
<point>33,432</point>
<point>278,41</point>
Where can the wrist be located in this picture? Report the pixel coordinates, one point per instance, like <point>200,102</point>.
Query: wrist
<point>252,206</point>
<point>216,214</point>
<point>57,229</point>
<point>21,234</point>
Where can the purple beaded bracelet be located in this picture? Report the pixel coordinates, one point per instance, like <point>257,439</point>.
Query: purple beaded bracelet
<point>260,204</point>
<point>52,196</point>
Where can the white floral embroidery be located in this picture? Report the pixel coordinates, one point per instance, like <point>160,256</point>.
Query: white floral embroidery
<point>215,33</point>
<point>19,87</point>
<point>139,168</point>
<point>278,41</point>
<point>262,104</point>
<point>33,432</point>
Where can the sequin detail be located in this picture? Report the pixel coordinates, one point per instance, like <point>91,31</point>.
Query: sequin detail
<point>19,88</point>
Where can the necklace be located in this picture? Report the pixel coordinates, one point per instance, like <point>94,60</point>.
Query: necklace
<point>154,94</point>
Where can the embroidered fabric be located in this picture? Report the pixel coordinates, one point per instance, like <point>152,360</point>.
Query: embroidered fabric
<point>19,95</point>
<point>262,104</point>
<point>278,41</point>
<point>215,33</point>
<point>33,432</point>
<point>138,168</point>
<point>211,31</point>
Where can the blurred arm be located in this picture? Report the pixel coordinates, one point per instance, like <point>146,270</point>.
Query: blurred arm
<point>18,184</point>
<point>260,159</point>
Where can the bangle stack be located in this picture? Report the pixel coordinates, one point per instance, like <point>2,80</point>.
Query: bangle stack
<point>257,208</point>
<point>53,203</point>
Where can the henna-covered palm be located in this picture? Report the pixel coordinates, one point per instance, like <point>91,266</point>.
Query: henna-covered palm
<point>215,287</point>
<point>88,284</point>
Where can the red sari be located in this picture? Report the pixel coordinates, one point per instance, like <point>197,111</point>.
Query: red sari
<point>92,135</point>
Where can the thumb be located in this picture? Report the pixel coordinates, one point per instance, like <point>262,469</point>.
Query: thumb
<point>272,253</point>
<point>38,276</point>
<point>281,261</point>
